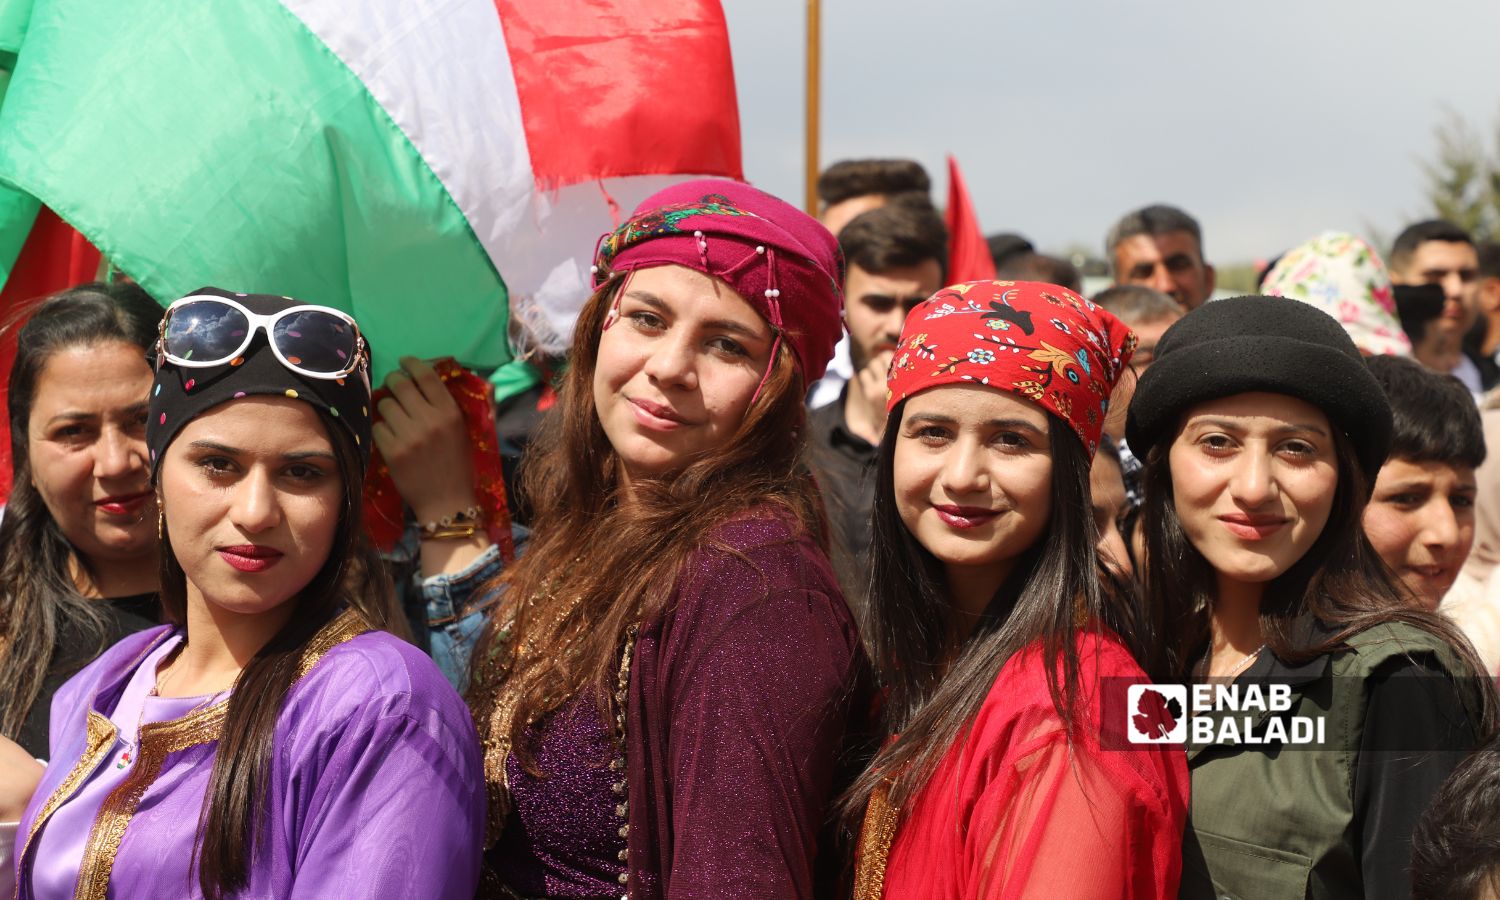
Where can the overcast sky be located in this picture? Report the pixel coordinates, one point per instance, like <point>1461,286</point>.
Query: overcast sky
<point>1270,121</point>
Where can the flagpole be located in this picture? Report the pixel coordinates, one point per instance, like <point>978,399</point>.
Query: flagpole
<point>814,39</point>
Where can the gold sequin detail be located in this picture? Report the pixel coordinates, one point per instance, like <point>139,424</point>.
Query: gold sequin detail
<point>505,676</point>
<point>874,850</point>
<point>621,787</point>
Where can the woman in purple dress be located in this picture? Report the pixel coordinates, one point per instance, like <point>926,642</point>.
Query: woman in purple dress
<point>667,681</point>
<point>272,742</point>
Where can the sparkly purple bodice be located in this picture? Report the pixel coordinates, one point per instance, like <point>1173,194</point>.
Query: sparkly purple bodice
<point>562,838</point>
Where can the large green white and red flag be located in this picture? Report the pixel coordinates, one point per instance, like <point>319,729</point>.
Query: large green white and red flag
<point>433,166</point>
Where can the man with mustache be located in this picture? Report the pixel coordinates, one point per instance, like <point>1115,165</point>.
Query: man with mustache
<point>895,257</point>
<point>1161,247</point>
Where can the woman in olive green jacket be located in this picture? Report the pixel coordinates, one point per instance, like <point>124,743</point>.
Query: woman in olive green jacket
<point>1262,433</point>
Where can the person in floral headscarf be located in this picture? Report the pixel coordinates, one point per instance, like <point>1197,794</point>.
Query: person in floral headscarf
<point>1343,276</point>
<point>994,625</point>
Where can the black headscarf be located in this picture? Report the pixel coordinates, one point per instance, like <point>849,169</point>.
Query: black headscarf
<point>181,394</point>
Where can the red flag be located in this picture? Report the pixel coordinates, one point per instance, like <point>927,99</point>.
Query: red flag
<point>968,255</point>
<point>628,87</point>
<point>54,257</point>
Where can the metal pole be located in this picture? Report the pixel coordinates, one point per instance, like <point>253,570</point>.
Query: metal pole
<point>814,39</point>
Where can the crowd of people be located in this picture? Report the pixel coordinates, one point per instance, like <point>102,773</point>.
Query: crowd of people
<point>827,577</point>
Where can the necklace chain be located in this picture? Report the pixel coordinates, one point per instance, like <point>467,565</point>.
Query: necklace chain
<point>168,671</point>
<point>1241,666</point>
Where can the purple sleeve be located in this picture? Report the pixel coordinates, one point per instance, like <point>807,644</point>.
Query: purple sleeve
<point>68,717</point>
<point>757,694</point>
<point>387,803</point>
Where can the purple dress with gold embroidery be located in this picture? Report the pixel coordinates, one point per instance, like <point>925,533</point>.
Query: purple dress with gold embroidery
<point>374,787</point>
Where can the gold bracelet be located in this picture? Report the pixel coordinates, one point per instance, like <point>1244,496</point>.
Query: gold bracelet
<point>450,532</point>
<point>458,526</point>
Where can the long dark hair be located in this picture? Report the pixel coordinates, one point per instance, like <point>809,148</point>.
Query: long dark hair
<point>632,557</point>
<point>232,821</point>
<point>931,703</point>
<point>39,596</point>
<point>1340,581</point>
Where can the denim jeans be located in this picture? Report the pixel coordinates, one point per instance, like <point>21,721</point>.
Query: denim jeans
<point>454,607</point>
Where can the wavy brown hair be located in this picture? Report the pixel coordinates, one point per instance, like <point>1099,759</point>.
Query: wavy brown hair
<point>595,567</point>
<point>1340,581</point>
<point>233,820</point>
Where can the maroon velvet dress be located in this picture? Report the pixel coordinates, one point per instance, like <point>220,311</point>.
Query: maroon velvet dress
<point>739,705</point>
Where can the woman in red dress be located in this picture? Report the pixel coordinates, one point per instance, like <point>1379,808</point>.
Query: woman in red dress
<point>1002,641</point>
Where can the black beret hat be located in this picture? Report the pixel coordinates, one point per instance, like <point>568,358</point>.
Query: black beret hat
<point>181,394</point>
<point>1270,344</point>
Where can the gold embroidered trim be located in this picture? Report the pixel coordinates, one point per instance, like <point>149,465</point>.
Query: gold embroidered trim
<point>345,625</point>
<point>874,850</point>
<point>101,737</point>
<point>159,740</point>
<point>498,684</point>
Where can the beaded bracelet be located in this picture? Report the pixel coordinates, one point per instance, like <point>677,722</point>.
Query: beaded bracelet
<point>458,526</point>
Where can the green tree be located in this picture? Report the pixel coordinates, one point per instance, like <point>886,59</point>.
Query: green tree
<point>1463,180</point>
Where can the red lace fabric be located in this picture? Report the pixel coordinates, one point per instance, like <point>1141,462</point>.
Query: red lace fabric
<point>1016,811</point>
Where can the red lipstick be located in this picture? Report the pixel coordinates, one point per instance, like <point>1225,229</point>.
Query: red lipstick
<point>250,557</point>
<point>962,517</point>
<point>123,504</point>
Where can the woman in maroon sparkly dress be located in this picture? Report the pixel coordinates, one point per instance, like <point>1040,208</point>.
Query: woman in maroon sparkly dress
<point>664,689</point>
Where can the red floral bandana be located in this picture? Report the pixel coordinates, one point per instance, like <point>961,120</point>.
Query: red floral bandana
<point>1040,341</point>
